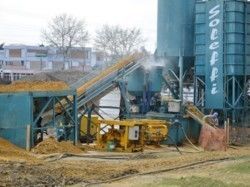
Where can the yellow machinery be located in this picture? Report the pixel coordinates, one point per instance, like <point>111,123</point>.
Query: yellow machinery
<point>84,125</point>
<point>156,131</point>
<point>129,135</point>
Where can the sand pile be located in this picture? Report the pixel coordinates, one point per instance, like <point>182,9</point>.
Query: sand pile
<point>50,146</point>
<point>21,86</point>
<point>10,152</point>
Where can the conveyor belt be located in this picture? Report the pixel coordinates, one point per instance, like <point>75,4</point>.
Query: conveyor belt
<point>197,115</point>
<point>97,84</point>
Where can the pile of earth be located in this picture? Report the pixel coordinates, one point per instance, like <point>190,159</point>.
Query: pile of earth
<point>51,145</point>
<point>10,152</point>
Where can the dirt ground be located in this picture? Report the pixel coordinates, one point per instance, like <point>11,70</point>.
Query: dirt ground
<point>212,174</point>
<point>103,169</point>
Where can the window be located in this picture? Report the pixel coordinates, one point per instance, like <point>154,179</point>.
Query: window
<point>7,76</point>
<point>9,63</point>
<point>16,76</point>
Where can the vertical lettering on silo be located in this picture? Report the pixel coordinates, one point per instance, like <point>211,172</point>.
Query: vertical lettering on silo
<point>214,64</point>
<point>215,44</point>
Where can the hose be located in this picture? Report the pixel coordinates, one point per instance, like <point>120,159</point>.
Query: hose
<point>195,147</point>
<point>175,145</point>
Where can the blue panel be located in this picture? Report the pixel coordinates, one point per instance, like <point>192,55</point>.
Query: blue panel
<point>200,38</point>
<point>235,6</point>
<point>200,18</point>
<point>200,29</point>
<point>235,17</point>
<point>214,61</point>
<point>235,27</point>
<point>235,38</point>
<point>15,115</point>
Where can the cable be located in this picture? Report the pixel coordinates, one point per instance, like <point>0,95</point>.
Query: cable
<point>195,147</point>
<point>175,144</point>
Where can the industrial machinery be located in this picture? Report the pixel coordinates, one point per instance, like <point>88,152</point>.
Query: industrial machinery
<point>211,137</point>
<point>62,108</point>
<point>88,128</point>
<point>205,51</point>
<point>142,97</point>
<point>175,44</point>
<point>207,41</point>
<point>22,114</point>
<point>170,72</point>
<point>222,70</point>
<point>129,135</point>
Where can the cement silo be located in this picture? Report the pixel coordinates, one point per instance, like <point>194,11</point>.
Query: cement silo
<point>175,42</point>
<point>175,30</point>
<point>222,53</point>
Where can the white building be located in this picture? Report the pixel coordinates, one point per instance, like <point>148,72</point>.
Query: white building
<point>17,61</point>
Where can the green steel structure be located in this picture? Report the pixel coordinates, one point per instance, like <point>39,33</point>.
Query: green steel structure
<point>22,113</point>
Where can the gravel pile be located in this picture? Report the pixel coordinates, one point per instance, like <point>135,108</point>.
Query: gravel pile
<point>10,152</point>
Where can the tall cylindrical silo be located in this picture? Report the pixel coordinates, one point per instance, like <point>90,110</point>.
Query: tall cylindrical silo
<point>175,32</point>
<point>222,57</point>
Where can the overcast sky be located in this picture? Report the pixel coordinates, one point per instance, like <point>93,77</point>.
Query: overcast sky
<point>21,21</point>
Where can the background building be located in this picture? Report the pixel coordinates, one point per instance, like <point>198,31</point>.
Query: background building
<point>17,61</point>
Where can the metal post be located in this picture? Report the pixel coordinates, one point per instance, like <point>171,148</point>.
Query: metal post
<point>228,133</point>
<point>89,125</point>
<point>123,92</point>
<point>75,119</point>
<point>233,101</point>
<point>181,77</point>
<point>54,114</point>
<point>28,137</point>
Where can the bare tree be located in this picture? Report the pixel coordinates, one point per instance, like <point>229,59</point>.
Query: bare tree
<point>65,32</point>
<point>116,42</point>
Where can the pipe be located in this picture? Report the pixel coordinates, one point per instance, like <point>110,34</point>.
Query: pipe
<point>181,77</point>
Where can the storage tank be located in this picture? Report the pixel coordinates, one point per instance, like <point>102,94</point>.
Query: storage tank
<point>233,35</point>
<point>175,28</point>
<point>155,79</point>
<point>136,82</point>
<point>144,77</point>
<point>222,50</point>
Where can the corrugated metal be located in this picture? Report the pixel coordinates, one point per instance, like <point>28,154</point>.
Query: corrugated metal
<point>175,28</point>
<point>236,37</point>
<point>200,38</point>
